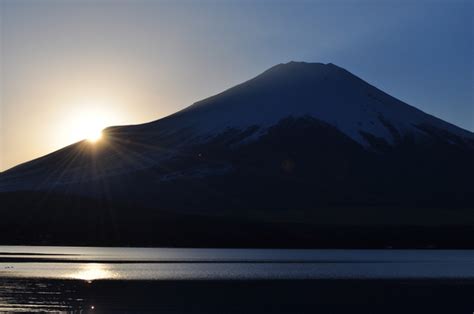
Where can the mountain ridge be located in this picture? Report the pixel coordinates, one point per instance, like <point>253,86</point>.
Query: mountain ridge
<point>283,69</point>
<point>290,73</point>
<point>303,155</point>
<point>375,119</point>
<point>299,152</point>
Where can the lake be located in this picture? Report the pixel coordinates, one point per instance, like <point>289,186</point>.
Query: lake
<point>172,280</point>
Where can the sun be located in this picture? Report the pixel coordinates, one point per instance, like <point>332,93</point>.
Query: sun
<point>93,135</point>
<point>86,122</point>
<point>89,127</point>
<point>86,125</point>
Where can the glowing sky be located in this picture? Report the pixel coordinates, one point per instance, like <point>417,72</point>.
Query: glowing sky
<point>136,61</point>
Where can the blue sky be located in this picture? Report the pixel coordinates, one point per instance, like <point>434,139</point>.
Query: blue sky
<point>147,59</point>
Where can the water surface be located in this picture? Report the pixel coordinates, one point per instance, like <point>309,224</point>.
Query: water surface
<point>230,280</point>
<point>91,263</point>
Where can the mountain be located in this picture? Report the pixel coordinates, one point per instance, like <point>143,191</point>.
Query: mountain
<point>301,148</point>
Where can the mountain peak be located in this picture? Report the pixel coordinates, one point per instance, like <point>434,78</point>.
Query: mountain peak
<point>302,73</point>
<point>326,92</point>
<point>298,66</point>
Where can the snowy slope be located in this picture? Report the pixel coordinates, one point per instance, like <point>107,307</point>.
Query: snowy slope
<point>324,91</point>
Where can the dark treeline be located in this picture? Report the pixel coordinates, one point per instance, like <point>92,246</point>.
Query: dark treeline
<point>71,220</point>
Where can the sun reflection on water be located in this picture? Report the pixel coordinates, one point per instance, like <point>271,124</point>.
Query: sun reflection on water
<point>93,271</point>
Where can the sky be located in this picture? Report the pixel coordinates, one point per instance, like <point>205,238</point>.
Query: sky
<point>66,64</point>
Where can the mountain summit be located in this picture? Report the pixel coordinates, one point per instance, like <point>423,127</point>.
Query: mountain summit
<point>302,140</point>
<point>323,91</point>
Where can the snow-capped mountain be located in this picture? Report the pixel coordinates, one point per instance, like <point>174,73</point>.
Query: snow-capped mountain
<point>324,92</point>
<point>303,139</point>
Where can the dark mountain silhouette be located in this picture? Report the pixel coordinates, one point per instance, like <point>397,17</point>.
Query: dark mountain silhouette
<point>305,154</point>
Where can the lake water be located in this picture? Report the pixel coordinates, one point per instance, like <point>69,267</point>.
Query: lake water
<point>227,280</point>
